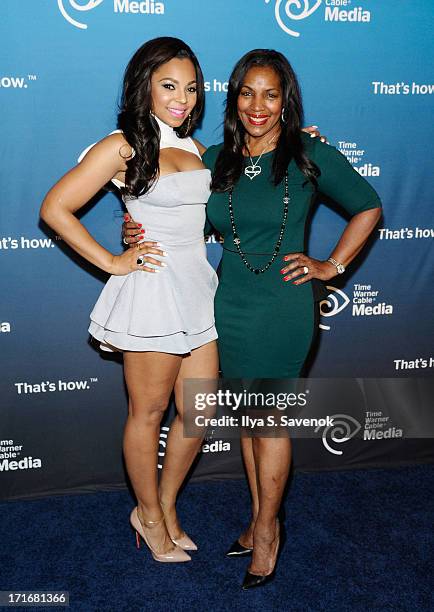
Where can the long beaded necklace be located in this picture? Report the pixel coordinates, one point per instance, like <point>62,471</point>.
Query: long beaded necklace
<point>236,238</point>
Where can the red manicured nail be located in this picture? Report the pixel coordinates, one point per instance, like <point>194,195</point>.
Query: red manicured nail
<point>285,258</point>
<point>282,271</point>
<point>126,217</point>
<point>139,224</point>
<point>142,231</point>
<point>286,278</point>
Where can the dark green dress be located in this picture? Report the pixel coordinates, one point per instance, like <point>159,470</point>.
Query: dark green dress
<point>265,325</point>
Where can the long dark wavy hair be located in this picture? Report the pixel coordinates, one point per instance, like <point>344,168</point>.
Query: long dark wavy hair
<point>135,120</point>
<point>230,161</point>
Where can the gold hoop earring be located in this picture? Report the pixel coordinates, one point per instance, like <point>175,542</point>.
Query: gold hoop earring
<point>188,125</point>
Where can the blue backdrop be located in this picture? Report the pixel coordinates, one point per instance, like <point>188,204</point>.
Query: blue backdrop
<point>366,76</point>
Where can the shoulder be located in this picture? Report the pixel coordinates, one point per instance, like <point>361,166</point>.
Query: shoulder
<point>311,144</point>
<point>118,145</point>
<point>210,156</point>
<point>321,153</point>
<point>114,147</point>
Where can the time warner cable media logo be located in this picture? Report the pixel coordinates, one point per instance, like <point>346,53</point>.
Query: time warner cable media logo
<point>11,457</point>
<point>335,10</point>
<point>344,428</point>
<point>366,301</point>
<point>71,9</point>
<point>375,425</point>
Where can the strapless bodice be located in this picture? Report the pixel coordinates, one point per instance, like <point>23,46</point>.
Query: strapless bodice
<point>173,211</point>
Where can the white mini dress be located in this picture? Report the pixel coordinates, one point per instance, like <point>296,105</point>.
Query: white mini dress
<point>171,311</point>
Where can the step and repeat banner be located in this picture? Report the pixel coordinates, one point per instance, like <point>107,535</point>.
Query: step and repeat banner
<point>366,74</point>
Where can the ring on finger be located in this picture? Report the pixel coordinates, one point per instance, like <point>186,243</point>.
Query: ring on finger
<point>305,269</point>
<point>141,260</point>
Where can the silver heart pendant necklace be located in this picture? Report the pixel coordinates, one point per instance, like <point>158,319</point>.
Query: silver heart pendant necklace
<point>254,169</point>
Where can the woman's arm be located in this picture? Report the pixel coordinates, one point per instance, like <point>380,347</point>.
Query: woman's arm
<point>103,162</point>
<point>354,236</point>
<point>351,242</point>
<point>344,185</point>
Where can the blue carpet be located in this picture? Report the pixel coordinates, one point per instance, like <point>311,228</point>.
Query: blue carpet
<point>356,540</point>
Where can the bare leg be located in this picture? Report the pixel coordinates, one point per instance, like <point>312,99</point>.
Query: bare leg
<point>180,451</point>
<point>272,460</point>
<point>246,538</point>
<point>150,378</point>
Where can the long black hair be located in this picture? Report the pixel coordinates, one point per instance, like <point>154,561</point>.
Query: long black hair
<point>230,161</point>
<point>135,120</point>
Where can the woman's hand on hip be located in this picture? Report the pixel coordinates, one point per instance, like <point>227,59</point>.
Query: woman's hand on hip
<point>132,232</point>
<point>307,268</point>
<point>139,258</point>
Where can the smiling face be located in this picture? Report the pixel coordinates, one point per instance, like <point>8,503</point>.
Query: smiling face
<point>260,104</point>
<point>174,91</point>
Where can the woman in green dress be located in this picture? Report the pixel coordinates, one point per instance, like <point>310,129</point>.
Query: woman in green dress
<point>266,176</point>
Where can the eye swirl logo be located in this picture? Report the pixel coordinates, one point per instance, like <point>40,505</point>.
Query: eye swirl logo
<point>330,306</point>
<point>341,431</point>
<point>91,4</point>
<point>286,7</point>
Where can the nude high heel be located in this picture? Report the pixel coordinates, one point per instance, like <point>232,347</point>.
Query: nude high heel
<point>184,542</point>
<point>176,555</point>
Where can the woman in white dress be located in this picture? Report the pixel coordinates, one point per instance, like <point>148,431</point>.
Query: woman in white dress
<point>163,322</point>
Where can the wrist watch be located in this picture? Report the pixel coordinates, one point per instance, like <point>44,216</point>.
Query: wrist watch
<point>339,267</point>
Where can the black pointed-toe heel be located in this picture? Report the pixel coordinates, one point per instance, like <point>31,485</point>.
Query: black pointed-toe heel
<point>238,550</point>
<point>252,580</point>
